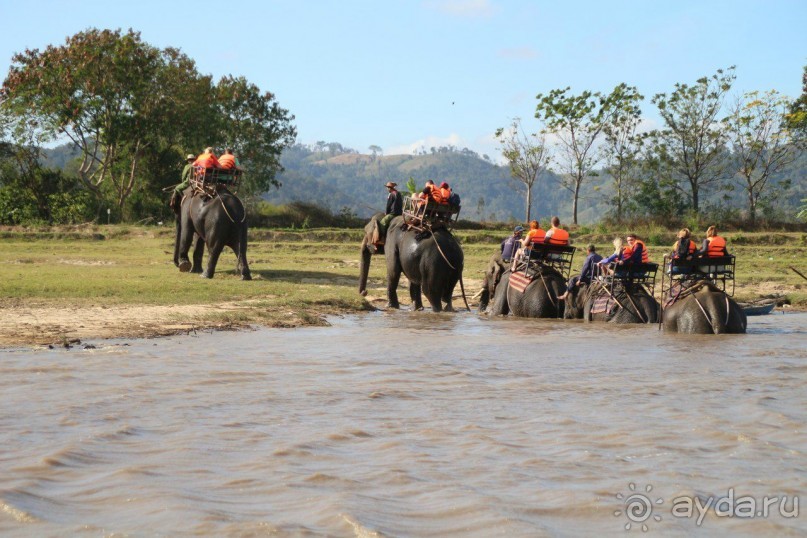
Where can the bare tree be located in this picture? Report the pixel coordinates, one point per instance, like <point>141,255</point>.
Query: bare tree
<point>762,143</point>
<point>528,156</point>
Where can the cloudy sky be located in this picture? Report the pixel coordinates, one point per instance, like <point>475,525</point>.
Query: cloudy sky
<point>405,74</point>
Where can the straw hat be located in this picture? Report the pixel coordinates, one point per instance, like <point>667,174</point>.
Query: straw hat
<point>391,185</point>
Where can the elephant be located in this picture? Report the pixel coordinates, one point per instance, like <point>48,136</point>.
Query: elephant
<point>539,299</point>
<point>433,264</point>
<point>217,222</point>
<point>705,309</point>
<point>493,274</point>
<point>631,303</point>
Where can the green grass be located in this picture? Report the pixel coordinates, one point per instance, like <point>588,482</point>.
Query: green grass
<point>305,272</point>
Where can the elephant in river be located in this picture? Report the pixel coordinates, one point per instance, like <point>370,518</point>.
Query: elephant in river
<point>705,310</point>
<point>539,299</point>
<point>493,274</point>
<point>628,303</point>
<point>432,262</point>
<point>217,222</point>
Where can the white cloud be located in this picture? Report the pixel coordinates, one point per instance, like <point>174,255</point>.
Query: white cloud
<point>425,143</point>
<point>462,8</point>
<point>518,53</point>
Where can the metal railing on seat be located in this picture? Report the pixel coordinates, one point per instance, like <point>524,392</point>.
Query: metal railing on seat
<point>680,274</point>
<point>209,180</point>
<point>629,275</point>
<point>557,257</point>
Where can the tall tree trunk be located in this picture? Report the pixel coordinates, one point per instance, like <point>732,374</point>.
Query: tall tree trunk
<point>577,183</point>
<point>529,201</point>
<point>619,202</point>
<point>695,198</point>
<point>752,208</point>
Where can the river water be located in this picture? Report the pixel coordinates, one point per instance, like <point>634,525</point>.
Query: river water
<point>408,424</point>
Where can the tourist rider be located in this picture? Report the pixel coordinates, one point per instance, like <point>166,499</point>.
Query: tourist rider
<point>510,244</point>
<point>207,159</point>
<point>556,235</point>
<point>586,275</point>
<point>714,245</point>
<point>683,249</point>
<point>536,235</point>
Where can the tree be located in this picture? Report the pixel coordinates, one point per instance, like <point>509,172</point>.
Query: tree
<point>797,118</point>
<point>256,128</point>
<point>762,143</point>
<point>527,156</point>
<point>111,95</point>
<point>375,150</point>
<point>577,121</point>
<point>693,141</point>
<point>621,150</point>
<point>480,208</point>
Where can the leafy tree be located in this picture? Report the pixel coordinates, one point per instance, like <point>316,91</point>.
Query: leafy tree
<point>577,121</point>
<point>112,95</point>
<point>376,150</point>
<point>797,118</point>
<point>693,141</point>
<point>256,127</point>
<point>761,141</point>
<point>528,156</point>
<point>622,149</point>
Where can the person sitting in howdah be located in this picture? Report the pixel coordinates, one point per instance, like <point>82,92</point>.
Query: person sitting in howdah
<point>634,253</point>
<point>556,235</point>
<point>586,275</point>
<point>713,246</point>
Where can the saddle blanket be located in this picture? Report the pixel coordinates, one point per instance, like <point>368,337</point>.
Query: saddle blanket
<point>603,304</point>
<point>519,281</point>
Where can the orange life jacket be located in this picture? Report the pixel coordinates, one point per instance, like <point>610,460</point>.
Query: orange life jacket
<point>536,235</point>
<point>437,196</point>
<point>627,252</point>
<point>227,161</point>
<point>717,246</point>
<point>207,160</point>
<point>559,236</point>
<point>446,194</point>
<point>691,248</point>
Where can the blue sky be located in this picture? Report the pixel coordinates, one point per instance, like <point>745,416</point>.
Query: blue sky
<point>405,74</point>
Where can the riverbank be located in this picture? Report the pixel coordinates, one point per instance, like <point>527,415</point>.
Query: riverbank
<point>63,285</point>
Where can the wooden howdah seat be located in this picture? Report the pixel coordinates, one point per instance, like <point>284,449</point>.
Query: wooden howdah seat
<point>209,180</point>
<point>682,273</point>
<point>428,214</point>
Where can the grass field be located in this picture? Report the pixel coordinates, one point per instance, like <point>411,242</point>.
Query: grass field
<point>298,275</point>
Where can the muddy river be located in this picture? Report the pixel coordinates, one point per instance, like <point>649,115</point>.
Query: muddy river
<point>410,424</point>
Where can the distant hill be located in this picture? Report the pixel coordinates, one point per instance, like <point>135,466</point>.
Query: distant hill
<point>356,181</point>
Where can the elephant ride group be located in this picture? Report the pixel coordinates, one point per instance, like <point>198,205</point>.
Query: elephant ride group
<point>697,288</point>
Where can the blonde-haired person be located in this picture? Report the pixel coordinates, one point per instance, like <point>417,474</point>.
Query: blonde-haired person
<point>684,248</point>
<point>615,257</point>
<point>713,246</point>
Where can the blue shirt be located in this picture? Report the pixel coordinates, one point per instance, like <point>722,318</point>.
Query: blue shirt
<point>509,247</point>
<point>588,266</point>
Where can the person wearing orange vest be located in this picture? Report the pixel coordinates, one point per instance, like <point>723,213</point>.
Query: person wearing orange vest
<point>445,193</point>
<point>713,246</point>
<point>556,235</point>
<point>207,159</point>
<point>228,161</point>
<point>635,252</point>
<point>684,248</point>
<point>535,235</point>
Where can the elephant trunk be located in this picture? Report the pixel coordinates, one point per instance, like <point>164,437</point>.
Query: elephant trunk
<point>364,267</point>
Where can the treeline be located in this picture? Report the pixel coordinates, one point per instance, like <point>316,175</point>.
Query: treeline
<point>708,144</point>
<point>130,112</point>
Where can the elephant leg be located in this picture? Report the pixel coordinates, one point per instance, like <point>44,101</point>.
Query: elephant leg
<point>447,299</point>
<point>178,225</point>
<point>416,296</point>
<point>393,277</point>
<point>186,238</point>
<point>213,254</point>
<point>198,251</point>
<point>241,253</point>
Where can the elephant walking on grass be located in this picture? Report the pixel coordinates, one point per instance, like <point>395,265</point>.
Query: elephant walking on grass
<point>216,222</point>
<point>432,262</point>
<point>705,309</point>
